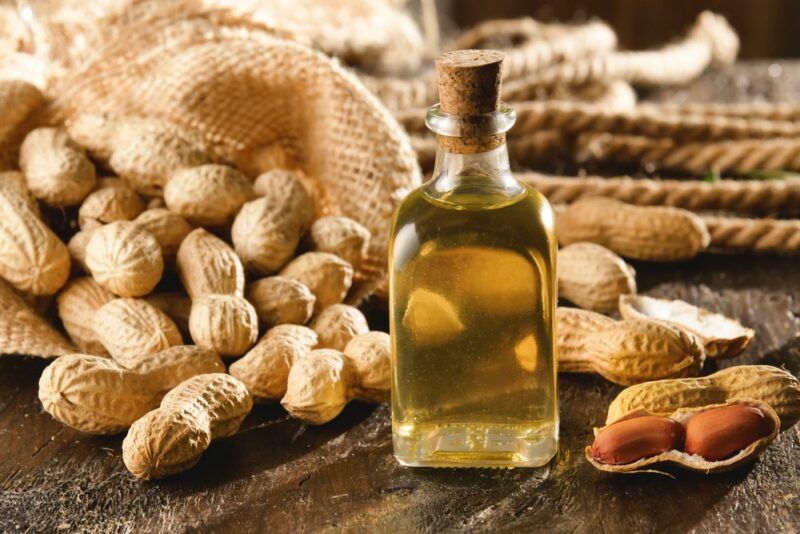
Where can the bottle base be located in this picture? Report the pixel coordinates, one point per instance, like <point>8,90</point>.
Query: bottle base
<point>475,445</point>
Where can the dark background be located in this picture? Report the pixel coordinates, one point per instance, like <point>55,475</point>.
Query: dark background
<point>766,28</point>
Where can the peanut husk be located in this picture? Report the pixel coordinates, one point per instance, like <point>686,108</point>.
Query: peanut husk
<point>653,464</point>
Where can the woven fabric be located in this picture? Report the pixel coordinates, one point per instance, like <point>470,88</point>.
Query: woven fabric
<point>252,95</point>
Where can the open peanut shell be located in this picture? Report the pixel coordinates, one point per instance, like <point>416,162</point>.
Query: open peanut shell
<point>722,336</point>
<point>688,461</point>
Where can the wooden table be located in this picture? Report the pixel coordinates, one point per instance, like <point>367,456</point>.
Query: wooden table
<point>282,476</point>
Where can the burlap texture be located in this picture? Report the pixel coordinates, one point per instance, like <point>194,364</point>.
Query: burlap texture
<point>252,96</point>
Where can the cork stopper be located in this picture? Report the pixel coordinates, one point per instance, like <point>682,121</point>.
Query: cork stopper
<point>469,81</point>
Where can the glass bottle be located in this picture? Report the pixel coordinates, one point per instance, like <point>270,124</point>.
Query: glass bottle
<point>472,291</point>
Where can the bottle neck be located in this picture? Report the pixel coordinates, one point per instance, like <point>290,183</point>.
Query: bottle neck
<point>472,154</point>
<point>482,171</point>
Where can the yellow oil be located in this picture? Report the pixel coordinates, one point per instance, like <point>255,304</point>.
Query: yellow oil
<point>472,275</point>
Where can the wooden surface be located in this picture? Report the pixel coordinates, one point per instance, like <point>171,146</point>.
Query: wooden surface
<point>282,476</point>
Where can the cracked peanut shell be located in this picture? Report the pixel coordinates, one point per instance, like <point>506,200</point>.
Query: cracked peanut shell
<point>722,336</point>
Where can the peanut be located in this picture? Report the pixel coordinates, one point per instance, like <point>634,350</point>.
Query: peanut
<point>23,331</point>
<point>56,170</point>
<point>771,385</point>
<point>265,235</point>
<point>171,438</point>
<point>144,151</point>
<point>708,439</point>
<point>632,439</point>
<point>298,333</point>
<point>176,305</point>
<point>624,352</point>
<point>77,250</point>
<point>341,236</point>
<point>208,195</point>
<point>18,99</point>
<point>327,276</point>
<point>98,396</point>
<point>207,265</point>
<point>336,325</point>
<point>593,278</point>
<point>719,433</point>
<point>285,187</point>
<point>722,337</point>
<point>148,157</point>
<point>32,258</point>
<point>280,300</point>
<point>14,181</point>
<point>112,201</point>
<point>370,355</point>
<point>644,233</point>
<point>317,386</point>
<point>265,368</point>
<point>77,304</point>
<point>125,259</point>
<point>133,329</point>
<point>169,229</point>
<point>226,324</point>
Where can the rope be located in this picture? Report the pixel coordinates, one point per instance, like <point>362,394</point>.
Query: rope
<point>757,235</point>
<point>752,110</point>
<point>740,196</point>
<point>736,156</point>
<point>579,117</point>
<point>557,55</point>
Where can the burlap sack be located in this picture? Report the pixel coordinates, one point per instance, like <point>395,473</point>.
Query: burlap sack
<point>252,95</point>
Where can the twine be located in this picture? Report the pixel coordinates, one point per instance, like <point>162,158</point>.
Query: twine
<point>740,196</point>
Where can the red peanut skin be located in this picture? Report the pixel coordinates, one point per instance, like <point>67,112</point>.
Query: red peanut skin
<point>630,440</point>
<point>722,432</point>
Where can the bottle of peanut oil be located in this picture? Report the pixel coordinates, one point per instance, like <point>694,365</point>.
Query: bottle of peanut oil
<point>472,291</point>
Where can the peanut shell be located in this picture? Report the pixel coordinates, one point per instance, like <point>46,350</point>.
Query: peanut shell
<point>226,324</point>
<point>77,250</point>
<point>56,170</point>
<point>207,265</point>
<point>285,187</point>
<point>265,235</point>
<point>125,259</point>
<point>370,356</point>
<point>765,383</point>
<point>280,300</point>
<point>651,233</point>
<point>208,195</point>
<point>169,229</point>
<point>694,462</point>
<point>133,329</point>
<point>112,201</point>
<point>337,324</point>
<point>172,437</point>
<point>98,396</point>
<point>593,278</point>
<point>317,386</point>
<point>177,305</point>
<point>148,157</point>
<point>77,304</point>
<point>301,334</point>
<point>624,352</point>
<point>265,368</point>
<point>32,258</point>
<point>341,236</point>
<point>14,182</point>
<point>327,276</point>
<point>23,331</point>
<point>721,336</point>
